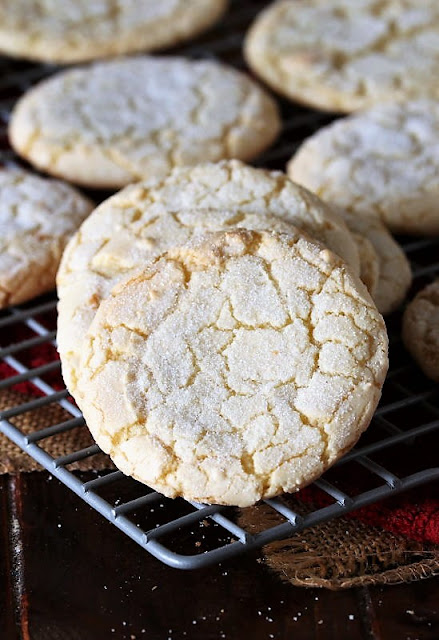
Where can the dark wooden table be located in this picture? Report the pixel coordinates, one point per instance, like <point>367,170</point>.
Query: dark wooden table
<point>67,574</point>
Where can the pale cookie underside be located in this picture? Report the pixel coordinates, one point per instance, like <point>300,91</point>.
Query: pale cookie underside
<point>343,55</point>
<point>383,161</point>
<point>234,368</point>
<point>139,223</point>
<point>394,271</point>
<point>119,121</point>
<point>70,31</point>
<point>420,330</point>
<point>37,218</point>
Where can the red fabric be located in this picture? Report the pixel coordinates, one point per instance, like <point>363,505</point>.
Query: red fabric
<point>35,357</point>
<point>414,514</point>
<point>416,519</point>
<point>31,358</point>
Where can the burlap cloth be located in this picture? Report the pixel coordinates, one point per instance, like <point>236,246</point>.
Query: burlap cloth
<point>338,554</point>
<point>341,553</point>
<point>14,460</point>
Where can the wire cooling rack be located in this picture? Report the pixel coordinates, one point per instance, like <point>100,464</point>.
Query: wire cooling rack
<point>398,452</point>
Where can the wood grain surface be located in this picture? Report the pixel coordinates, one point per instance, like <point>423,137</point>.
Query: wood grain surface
<point>7,621</point>
<point>78,578</point>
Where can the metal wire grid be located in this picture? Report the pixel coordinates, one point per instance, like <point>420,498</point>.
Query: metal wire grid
<point>408,413</point>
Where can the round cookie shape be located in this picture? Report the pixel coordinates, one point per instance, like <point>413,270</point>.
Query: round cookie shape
<point>343,55</point>
<point>69,31</point>
<point>393,277</point>
<point>144,220</point>
<point>115,122</point>
<point>234,368</point>
<point>37,218</point>
<point>383,161</point>
<point>420,329</point>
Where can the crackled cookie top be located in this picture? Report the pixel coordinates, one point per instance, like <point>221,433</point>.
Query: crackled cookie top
<point>114,122</point>
<point>234,368</point>
<point>37,218</point>
<point>143,220</point>
<point>420,329</point>
<point>383,161</point>
<point>68,31</point>
<point>345,55</point>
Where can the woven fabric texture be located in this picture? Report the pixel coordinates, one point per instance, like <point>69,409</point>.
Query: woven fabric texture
<point>14,460</point>
<point>341,553</point>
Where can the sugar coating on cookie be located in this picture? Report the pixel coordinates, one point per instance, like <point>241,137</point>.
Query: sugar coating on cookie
<point>420,329</point>
<point>383,161</point>
<point>115,122</point>
<point>37,218</point>
<point>139,223</point>
<point>70,31</point>
<point>392,276</point>
<point>234,368</point>
<point>346,55</point>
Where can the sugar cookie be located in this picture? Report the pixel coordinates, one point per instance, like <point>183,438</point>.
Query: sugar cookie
<point>37,218</point>
<point>115,122</point>
<point>394,276</point>
<point>369,263</point>
<point>382,161</point>
<point>144,220</point>
<point>69,31</point>
<point>346,55</point>
<point>233,368</point>
<point>420,329</point>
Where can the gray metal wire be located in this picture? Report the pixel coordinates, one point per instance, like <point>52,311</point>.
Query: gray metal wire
<point>393,426</point>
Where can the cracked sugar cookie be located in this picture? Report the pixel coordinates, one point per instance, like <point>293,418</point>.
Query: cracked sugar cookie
<point>37,218</point>
<point>382,161</point>
<point>420,330</point>
<point>234,368</point>
<point>112,123</point>
<point>69,31</point>
<point>347,55</point>
<point>139,223</point>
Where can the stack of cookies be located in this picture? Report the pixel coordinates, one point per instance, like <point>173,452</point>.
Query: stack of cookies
<point>217,350</point>
<point>219,325</point>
